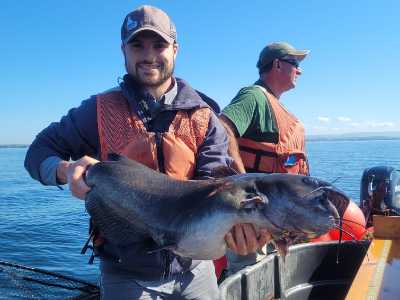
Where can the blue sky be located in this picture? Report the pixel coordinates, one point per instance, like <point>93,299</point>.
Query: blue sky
<point>54,54</point>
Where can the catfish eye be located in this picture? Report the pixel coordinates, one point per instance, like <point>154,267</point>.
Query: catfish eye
<point>322,202</point>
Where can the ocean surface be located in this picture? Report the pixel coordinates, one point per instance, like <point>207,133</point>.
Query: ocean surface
<point>45,227</point>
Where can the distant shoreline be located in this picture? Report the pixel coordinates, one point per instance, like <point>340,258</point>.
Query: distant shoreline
<point>13,146</point>
<point>310,138</point>
<point>338,139</point>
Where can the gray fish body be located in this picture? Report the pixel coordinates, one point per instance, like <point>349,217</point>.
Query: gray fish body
<point>130,203</point>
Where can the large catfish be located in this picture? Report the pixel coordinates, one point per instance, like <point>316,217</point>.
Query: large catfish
<point>192,217</point>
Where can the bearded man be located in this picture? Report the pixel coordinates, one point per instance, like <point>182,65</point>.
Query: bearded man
<point>156,119</point>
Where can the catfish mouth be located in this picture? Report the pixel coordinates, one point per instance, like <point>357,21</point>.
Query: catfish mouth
<point>329,201</point>
<point>335,201</point>
<point>292,237</point>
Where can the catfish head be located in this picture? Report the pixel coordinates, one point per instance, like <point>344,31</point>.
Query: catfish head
<point>294,208</point>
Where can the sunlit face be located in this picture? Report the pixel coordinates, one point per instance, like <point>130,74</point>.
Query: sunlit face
<point>289,71</point>
<point>149,59</point>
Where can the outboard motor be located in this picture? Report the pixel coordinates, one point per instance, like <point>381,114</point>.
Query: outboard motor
<point>380,192</point>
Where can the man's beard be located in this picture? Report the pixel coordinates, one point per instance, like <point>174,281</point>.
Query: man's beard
<point>164,73</point>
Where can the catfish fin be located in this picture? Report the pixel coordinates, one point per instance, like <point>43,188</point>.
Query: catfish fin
<point>253,201</point>
<point>114,157</point>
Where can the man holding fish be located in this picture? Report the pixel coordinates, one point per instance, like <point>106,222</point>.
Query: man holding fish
<point>156,119</point>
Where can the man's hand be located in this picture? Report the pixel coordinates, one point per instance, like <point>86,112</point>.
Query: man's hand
<point>72,173</point>
<point>242,239</point>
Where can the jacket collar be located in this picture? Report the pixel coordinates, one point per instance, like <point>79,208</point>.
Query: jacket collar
<point>181,96</point>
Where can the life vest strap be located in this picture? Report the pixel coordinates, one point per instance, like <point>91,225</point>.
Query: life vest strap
<point>258,154</point>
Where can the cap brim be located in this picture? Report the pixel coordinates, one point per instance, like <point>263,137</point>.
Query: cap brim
<point>166,37</point>
<point>299,54</point>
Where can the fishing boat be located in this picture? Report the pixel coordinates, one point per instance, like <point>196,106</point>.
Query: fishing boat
<point>352,270</point>
<point>365,267</point>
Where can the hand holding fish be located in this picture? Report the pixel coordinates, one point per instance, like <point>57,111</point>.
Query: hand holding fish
<point>73,174</point>
<point>243,239</point>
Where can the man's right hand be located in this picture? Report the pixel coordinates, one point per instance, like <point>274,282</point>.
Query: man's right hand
<point>73,174</point>
<point>243,239</point>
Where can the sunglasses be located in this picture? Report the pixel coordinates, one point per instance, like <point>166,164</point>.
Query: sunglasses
<point>293,62</point>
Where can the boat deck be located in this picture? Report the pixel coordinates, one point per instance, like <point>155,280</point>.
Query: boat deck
<point>379,273</point>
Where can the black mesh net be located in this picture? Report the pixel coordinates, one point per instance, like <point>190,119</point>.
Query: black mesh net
<point>22,282</point>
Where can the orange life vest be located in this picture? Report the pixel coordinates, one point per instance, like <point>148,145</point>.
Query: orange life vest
<point>288,155</point>
<point>121,131</point>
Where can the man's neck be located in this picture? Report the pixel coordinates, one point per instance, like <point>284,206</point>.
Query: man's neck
<point>273,85</point>
<point>158,91</point>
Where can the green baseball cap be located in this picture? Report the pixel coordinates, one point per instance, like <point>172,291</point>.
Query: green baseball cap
<point>279,50</point>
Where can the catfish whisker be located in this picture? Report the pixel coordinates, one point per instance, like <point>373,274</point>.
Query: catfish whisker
<point>346,232</point>
<point>321,187</point>
<point>340,239</point>
<point>313,191</point>
<point>350,221</point>
<point>339,227</point>
<point>336,179</point>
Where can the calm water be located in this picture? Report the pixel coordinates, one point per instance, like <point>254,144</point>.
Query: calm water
<point>46,228</point>
<point>40,226</point>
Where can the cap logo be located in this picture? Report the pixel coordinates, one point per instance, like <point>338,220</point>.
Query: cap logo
<point>131,24</point>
